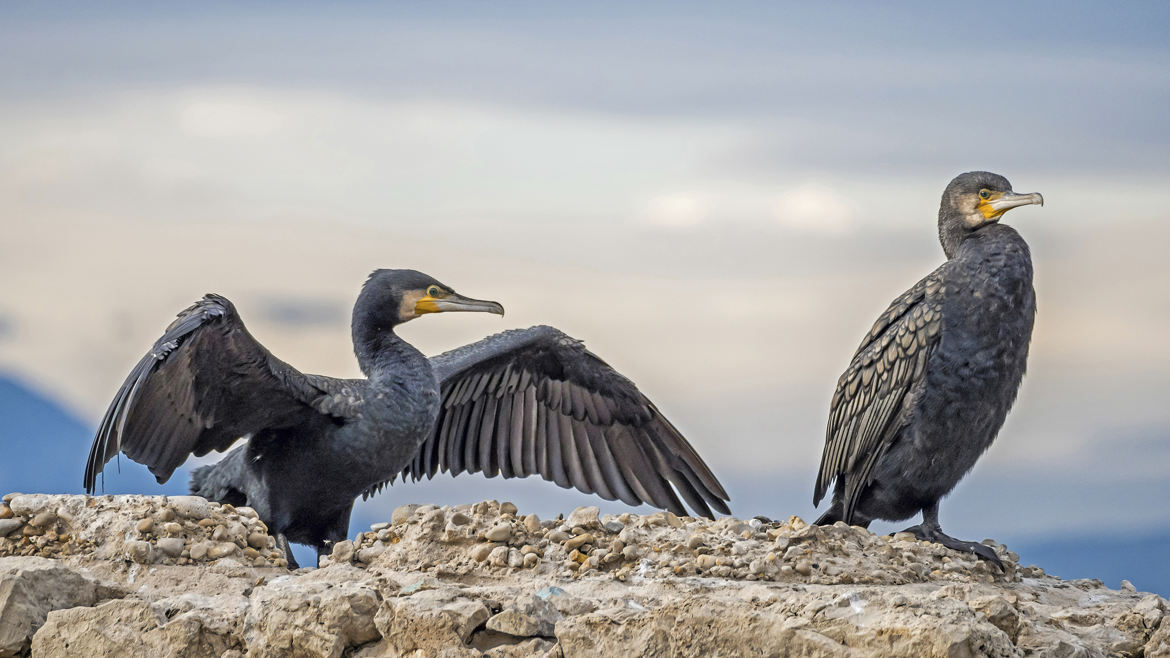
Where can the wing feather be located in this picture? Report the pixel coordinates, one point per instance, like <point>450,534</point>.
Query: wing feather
<point>871,402</point>
<point>543,404</point>
<point>204,384</point>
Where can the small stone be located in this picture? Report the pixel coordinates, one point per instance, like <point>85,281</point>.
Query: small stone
<point>402,513</point>
<point>481,552</point>
<point>498,557</point>
<point>585,517</point>
<point>191,507</point>
<point>44,519</point>
<point>8,526</point>
<point>7,498</point>
<point>206,523</point>
<point>172,546</point>
<point>247,512</point>
<point>532,523</point>
<point>499,532</point>
<point>145,525</point>
<point>803,567</point>
<point>579,540</point>
<point>222,549</point>
<point>199,551</point>
<point>5,512</point>
<point>515,558</point>
<point>631,553</point>
<point>137,550</point>
<point>459,518</point>
<point>369,554</point>
<point>342,551</point>
<point>672,520</point>
<point>168,514</point>
<point>531,560</point>
<point>705,561</point>
<point>694,541</point>
<point>172,528</point>
<point>1127,586</point>
<point>508,508</point>
<point>258,540</point>
<point>613,527</point>
<point>559,536</point>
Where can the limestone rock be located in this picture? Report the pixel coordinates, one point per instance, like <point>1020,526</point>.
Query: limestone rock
<point>83,580</point>
<point>32,587</point>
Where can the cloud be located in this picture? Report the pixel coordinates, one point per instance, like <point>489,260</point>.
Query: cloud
<point>815,208</point>
<point>675,211</point>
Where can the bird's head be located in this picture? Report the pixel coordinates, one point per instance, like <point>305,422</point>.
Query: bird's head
<point>973,200</point>
<point>391,297</point>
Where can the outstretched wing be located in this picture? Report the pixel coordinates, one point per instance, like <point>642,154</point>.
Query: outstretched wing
<point>875,391</point>
<point>204,384</point>
<point>535,401</point>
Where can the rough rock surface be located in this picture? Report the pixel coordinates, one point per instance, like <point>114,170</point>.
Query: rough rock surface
<point>135,575</point>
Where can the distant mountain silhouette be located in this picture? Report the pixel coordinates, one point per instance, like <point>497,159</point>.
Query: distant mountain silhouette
<point>43,449</point>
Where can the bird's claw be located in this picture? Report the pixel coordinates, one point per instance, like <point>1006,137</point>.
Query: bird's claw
<point>934,534</point>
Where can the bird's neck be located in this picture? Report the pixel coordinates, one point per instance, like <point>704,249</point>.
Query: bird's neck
<point>386,358</point>
<point>952,231</point>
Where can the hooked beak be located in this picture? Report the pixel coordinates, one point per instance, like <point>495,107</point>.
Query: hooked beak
<point>998,205</point>
<point>456,302</point>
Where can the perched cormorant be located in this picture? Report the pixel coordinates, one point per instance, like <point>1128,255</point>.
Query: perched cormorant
<point>932,382</point>
<point>521,402</point>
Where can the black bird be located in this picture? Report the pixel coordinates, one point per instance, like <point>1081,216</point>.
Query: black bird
<point>522,402</point>
<point>932,382</point>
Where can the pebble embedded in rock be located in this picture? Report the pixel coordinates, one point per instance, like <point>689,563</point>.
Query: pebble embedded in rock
<point>172,528</point>
<point>499,532</point>
<point>138,550</point>
<point>578,541</point>
<point>191,507</point>
<point>8,526</point>
<point>172,546</point>
<point>532,523</point>
<point>342,551</point>
<point>402,513</point>
<point>585,517</point>
<point>167,514</point>
<point>803,567</point>
<point>369,554</point>
<point>5,512</point>
<point>531,560</point>
<point>145,525</point>
<point>199,551</point>
<point>44,519</point>
<point>258,540</point>
<point>508,508</point>
<point>498,557</point>
<point>613,527</point>
<point>222,549</point>
<point>558,536</point>
<point>481,552</point>
<point>459,518</point>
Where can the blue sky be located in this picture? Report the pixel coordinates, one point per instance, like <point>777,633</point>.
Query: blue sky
<point>719,198</point>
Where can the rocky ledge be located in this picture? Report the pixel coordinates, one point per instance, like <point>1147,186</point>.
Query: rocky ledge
<point>179,576</point>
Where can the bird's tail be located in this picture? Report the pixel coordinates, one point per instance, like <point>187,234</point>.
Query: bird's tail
<point>219,481</point>
<point>831,515</point>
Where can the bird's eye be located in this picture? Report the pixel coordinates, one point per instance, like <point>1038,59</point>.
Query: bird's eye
<point>433,291</point>
<point>984,194</point>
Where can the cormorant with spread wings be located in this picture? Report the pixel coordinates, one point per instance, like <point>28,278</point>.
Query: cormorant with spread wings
<point>523,402</point>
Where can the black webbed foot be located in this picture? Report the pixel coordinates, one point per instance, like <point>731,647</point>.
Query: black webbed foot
<point>934,533</point>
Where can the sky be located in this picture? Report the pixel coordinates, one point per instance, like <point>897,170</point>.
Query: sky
<point>719,198</point>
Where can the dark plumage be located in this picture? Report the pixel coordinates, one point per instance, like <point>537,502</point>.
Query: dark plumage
<point>932,382</point>
<point>522,402</point>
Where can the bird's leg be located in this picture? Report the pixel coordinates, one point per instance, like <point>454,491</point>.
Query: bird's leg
<point>282,544</point>
<point>930,530</point>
